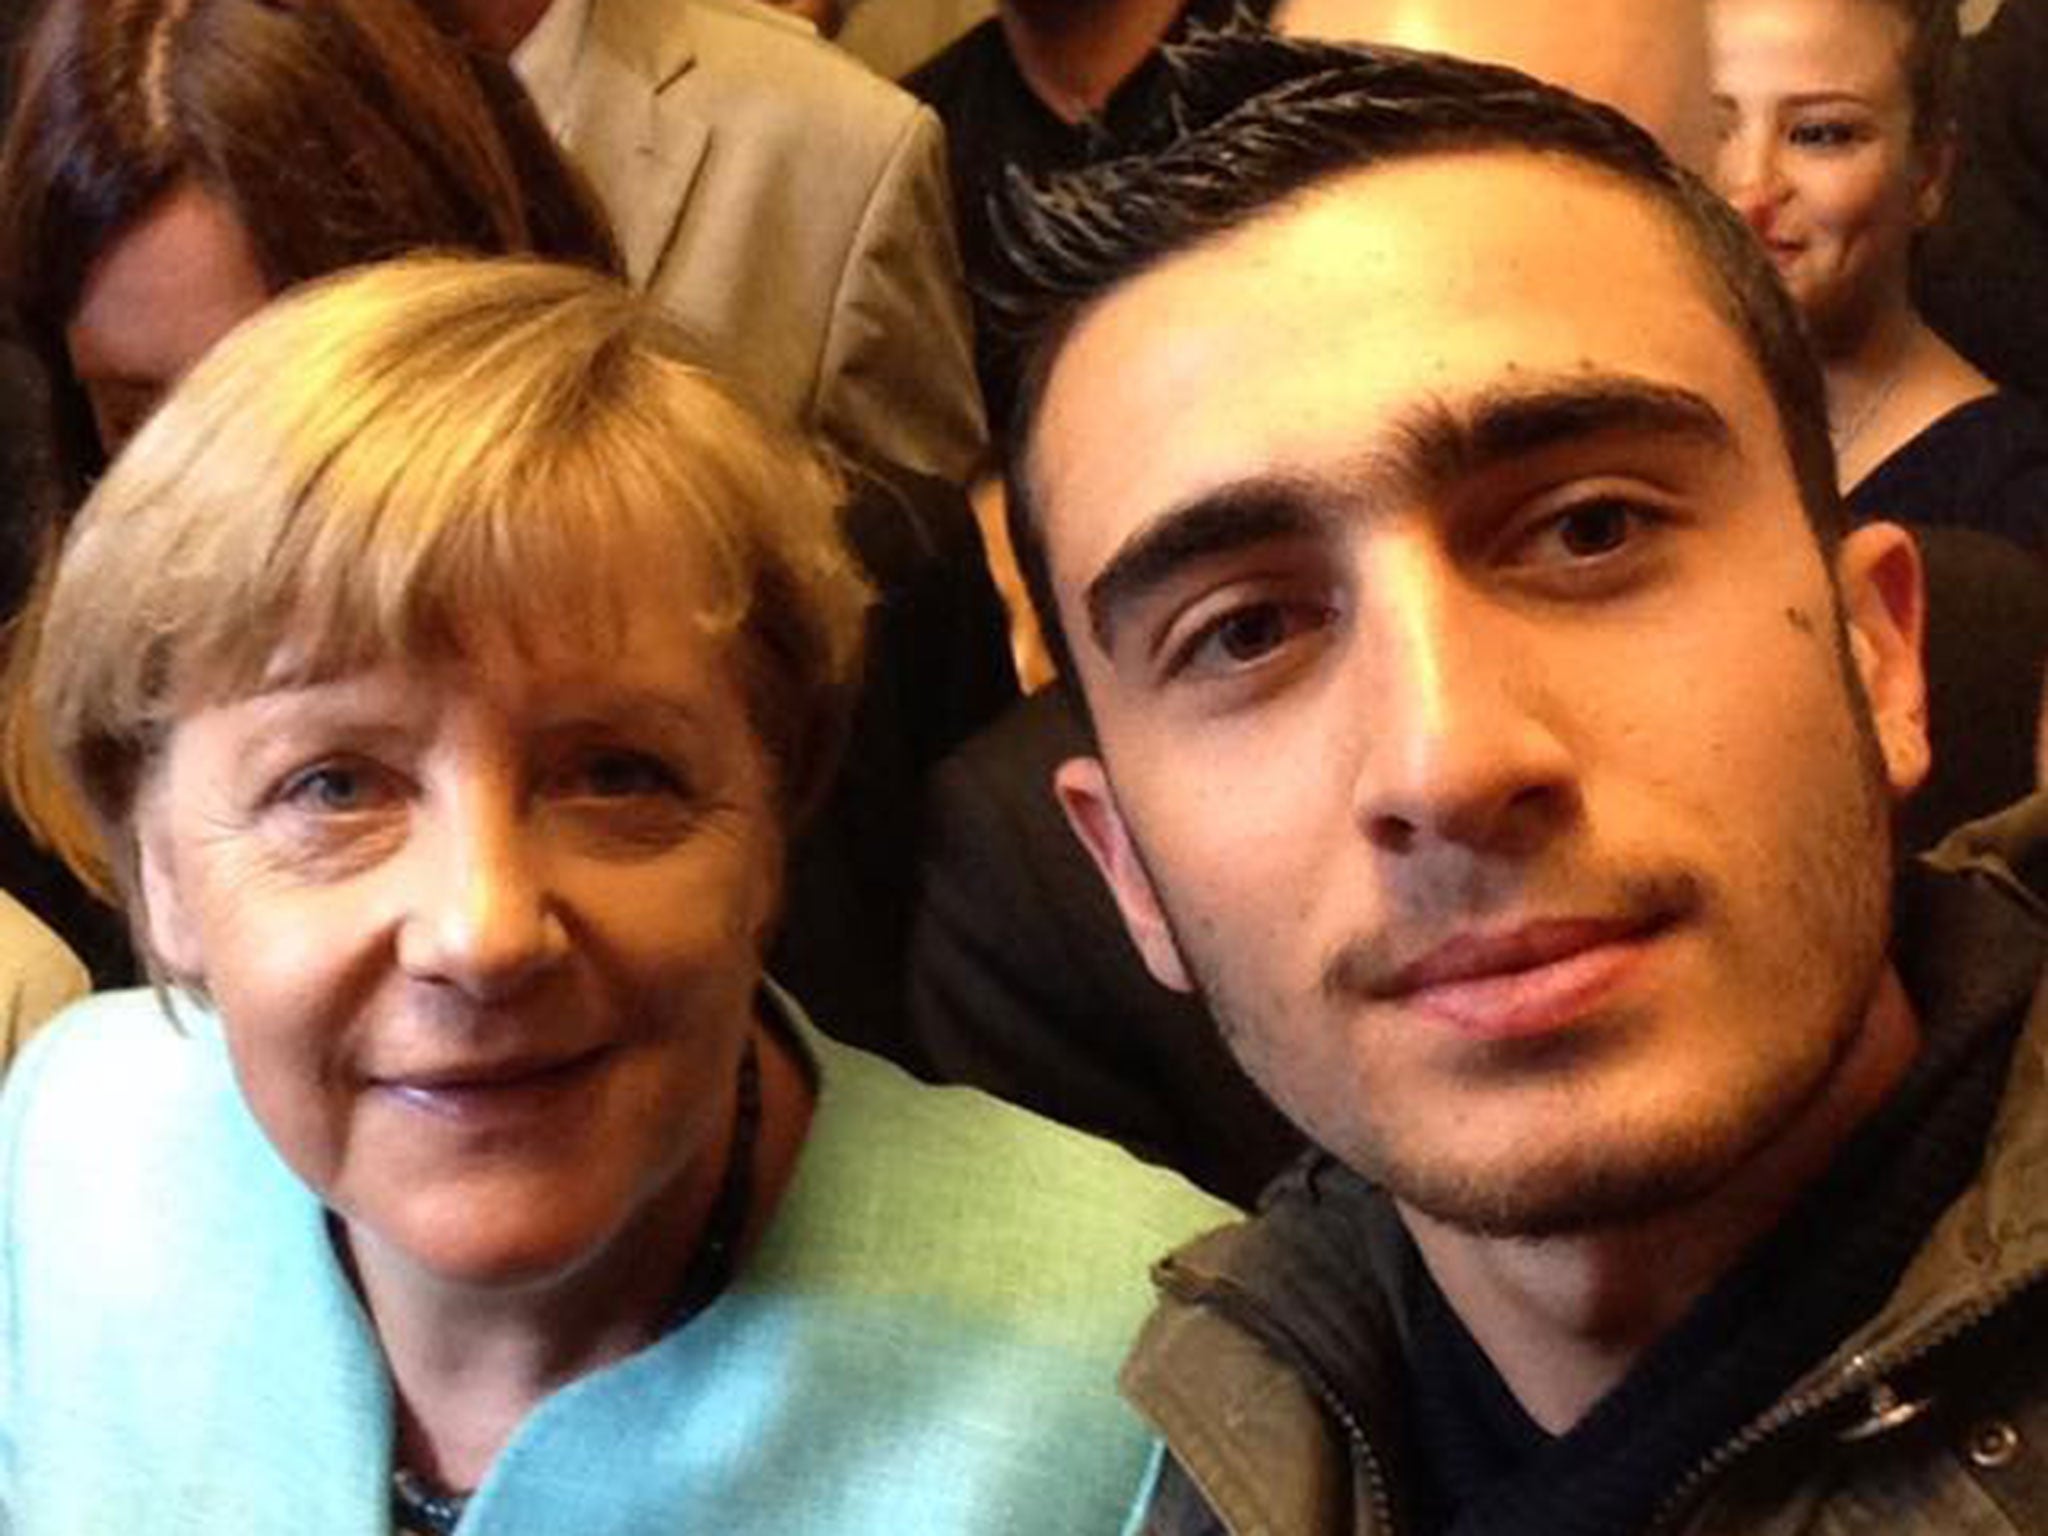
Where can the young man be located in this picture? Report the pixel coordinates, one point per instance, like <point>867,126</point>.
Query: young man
<point>1496,726</point>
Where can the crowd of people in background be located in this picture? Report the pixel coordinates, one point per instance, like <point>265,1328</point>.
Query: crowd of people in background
<point>571,571</point>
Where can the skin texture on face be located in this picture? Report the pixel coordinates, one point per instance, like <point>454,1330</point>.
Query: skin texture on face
<point>1647,58</point>
<point>164,291</point>
<point>1817,151</point>
<point>484,935</point>
<point>1475,727</point>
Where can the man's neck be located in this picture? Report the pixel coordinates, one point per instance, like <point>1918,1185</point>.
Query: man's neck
<point>1075,53</point>
<point>1564,1319</point>
<point>499,25</point>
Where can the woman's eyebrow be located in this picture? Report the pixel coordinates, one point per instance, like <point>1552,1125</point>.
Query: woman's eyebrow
<point>627,708</point>
<point>1435,443</point>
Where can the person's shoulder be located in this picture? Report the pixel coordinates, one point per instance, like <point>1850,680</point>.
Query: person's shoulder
<point>38,975</point>
<point>1981,464</point>
<point>155,1049</point>
<point>112,1075</point>
<point>2003,417</point>
<point>2008,851</point>
<point>120,1147</point>
<point>1018,1165</point>
<point>997,1206</point>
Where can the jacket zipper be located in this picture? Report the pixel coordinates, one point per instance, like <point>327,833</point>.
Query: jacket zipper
<point>1245,1311</point>
<point>1862,1373</point>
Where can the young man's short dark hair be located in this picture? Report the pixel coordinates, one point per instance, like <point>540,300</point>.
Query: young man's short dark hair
<point>1257,120</point>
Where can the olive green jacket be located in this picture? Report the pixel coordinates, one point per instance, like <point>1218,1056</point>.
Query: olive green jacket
<point>1271,1365</point>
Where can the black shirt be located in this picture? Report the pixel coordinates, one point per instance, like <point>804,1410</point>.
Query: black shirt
<point>1984,465</point>
<point>994,121</point>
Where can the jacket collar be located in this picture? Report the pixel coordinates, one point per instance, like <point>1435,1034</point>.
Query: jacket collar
<point>654,41</point>
<point>1979,943</point>
<point>1269,1325</point>
<point>628,130</point>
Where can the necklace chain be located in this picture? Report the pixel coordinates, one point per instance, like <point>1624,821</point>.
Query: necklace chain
<point>1851,431</point>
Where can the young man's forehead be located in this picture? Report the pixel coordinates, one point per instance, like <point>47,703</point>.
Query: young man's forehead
<point>1484,200</point>
<point>1340,310</point>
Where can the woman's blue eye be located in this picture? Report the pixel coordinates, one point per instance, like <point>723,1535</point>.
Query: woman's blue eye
<point>331,787</point>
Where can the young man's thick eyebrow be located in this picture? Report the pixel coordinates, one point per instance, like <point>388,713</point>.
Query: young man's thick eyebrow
<point>1448,441</point>
<point>1232,517</point>
<point>1433,444</point>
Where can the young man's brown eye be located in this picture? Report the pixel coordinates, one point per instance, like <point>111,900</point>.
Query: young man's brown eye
<point>1594,530</point>
<point>1250,634</point>
<point>1247,636</point>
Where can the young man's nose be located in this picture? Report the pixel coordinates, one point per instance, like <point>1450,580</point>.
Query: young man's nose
<point>482,916</point>
<point>1456,744</point>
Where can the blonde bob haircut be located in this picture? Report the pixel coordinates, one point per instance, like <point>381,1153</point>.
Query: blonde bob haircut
<point>387,465</point>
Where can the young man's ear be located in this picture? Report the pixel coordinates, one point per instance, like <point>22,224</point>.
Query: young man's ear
<point>1084,793</point>
<point>1877,570</point>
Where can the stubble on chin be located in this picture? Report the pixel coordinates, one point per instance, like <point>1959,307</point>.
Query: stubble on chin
<point>1612,1164</point>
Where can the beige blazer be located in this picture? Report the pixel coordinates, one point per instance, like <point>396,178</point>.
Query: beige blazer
<point>792,210</point>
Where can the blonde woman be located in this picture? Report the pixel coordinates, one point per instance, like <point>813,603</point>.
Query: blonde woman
<point>476,659</point>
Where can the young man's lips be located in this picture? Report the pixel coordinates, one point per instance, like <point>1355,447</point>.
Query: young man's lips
<point>1529,980</point>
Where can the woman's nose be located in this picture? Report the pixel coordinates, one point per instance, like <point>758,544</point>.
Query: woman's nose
<point>482,917</point>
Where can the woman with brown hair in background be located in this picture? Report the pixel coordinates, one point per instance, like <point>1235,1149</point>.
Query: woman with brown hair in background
<point>169,165</point>
<point>1837,144</point>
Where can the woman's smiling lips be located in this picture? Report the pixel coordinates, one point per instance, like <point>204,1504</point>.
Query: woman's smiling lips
<point>1535,979</point>
<point>488,1093</point>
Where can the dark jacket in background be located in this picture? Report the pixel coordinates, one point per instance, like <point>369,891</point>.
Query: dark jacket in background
<point>1023,982</point>
<point>1983,465</point>
<point>938,670</point>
